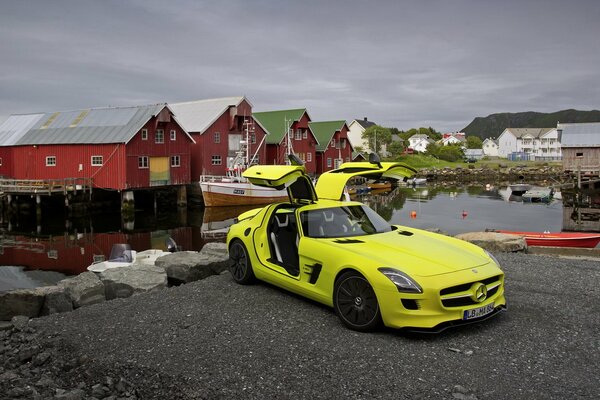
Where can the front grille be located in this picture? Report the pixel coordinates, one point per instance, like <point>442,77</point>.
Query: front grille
<point>460,295</point>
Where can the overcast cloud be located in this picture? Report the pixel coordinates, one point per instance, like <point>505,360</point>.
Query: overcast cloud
<point>402,64</point>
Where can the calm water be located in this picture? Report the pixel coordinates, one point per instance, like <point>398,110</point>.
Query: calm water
<point>34,254</point>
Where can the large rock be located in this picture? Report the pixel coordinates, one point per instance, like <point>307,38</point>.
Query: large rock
<point>137,278</point>
<point>189,266</point>
<point>84,289</point>
<point>495,242</point>
<point>56,300</point>
<point>26,302</point>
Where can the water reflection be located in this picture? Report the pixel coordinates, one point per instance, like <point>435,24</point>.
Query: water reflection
<point>68,246</point>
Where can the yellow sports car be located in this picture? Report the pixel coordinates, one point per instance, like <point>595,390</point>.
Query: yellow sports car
<point>341,253</point>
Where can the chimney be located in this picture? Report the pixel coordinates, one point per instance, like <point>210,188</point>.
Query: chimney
<point>365,119</point>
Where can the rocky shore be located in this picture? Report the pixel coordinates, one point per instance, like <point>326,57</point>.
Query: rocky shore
<point>552,174</point>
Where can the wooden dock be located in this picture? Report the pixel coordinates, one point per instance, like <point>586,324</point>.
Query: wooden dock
<point>45,186</point>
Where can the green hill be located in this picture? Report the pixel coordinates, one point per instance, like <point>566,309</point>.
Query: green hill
<point>493,125</point>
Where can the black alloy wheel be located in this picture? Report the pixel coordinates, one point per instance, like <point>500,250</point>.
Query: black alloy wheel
<point>240,265</point>
<point>355,302</point>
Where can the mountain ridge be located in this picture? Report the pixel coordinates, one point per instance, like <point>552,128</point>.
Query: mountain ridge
<point>494,124</point>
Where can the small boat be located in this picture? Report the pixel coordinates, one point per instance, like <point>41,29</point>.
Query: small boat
<point>379,185</point>
<point>538,195</point>
<point>557,239</point>
<point>121,255</point>
<point>519,188</point>
<point>416,181</point>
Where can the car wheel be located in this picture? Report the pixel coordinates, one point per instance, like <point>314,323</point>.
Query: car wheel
<point>240,265</point>
<point>355,302</point>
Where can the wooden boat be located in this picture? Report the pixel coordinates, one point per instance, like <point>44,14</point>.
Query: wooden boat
<point>557,239</point>
<point>379,185</point>
<point>235,190</point>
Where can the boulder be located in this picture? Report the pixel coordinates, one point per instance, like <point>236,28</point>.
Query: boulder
<point>27,302</point>
<point>189,266</point>
<point>56,300</point>
<point>495,242</point>
<point>137,278</point>
<point>84,289</point>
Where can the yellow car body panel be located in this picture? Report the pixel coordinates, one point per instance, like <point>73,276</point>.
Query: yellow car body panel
<point>459,282</point>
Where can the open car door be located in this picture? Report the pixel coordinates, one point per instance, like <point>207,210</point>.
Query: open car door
<point>293,177</point>
<point>331,184</point>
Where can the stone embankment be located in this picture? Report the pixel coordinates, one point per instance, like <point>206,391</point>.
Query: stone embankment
<point>503,173</point>
<point>90,288</point>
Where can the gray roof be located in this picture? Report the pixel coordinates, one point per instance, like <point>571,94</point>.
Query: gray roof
<point>88,126</point>
<point>534,132</point>
<point>365,123</point>
<point>15,126</point>
<point>580,135</point>
<point>199,115</point>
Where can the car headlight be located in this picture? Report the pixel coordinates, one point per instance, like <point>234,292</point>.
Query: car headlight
<point>403,282</point>
<point>490,255</point>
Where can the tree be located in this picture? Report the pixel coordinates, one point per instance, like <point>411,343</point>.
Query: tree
<point>395,149</point>
<point>474,142</point>
<point>450,153</point>
<point>377,136</point>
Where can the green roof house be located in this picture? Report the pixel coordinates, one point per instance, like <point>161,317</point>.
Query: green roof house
<point>333,146</point>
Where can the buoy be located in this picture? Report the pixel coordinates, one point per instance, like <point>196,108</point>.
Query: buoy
<point>464,214</point>
<point>413,214</point>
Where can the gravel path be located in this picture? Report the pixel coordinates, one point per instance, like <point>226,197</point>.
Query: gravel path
<point>214,339</point>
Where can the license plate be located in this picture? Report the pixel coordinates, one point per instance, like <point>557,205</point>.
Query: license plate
<point>478,312</point>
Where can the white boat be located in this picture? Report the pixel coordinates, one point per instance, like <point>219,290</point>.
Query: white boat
<point>233,189</point>
<point>416,181</point>
<point>121,255</point>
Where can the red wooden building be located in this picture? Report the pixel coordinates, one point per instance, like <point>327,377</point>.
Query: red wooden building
<point>218,126</point>
<point>288,131</point>
<point>117,148</point>
<point>334,148</point>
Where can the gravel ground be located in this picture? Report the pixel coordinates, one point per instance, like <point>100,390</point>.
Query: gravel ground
<point>214,339</point>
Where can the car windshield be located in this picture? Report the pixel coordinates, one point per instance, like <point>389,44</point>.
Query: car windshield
<point>343,221</point>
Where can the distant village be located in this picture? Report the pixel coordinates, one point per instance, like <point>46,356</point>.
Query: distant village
<point>122,148</point>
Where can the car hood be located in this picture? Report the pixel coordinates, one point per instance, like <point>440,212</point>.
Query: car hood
<point>411,251</point>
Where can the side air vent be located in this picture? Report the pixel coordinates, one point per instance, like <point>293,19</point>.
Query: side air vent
<point>405,233</point>
<point>347,241</point>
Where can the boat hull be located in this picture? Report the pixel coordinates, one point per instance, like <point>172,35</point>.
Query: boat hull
<point>217,194</point>
<point>558,239</point>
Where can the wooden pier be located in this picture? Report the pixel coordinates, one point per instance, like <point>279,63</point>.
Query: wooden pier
<point>45,186</point>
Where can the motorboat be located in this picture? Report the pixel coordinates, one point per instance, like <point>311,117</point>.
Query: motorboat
<point>519,189</point>
<point>557,239</point>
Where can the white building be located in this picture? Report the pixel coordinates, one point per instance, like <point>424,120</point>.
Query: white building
<point>419,142</point>
<point>490,147</point>
<point>448,140</point>
<point>535,143</point>
<point>355,131</point>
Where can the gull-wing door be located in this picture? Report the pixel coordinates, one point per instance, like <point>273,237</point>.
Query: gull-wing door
<point>292,177</point>
<point>331,184</point>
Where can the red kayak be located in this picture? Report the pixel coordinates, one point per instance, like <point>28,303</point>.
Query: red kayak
<point>558,239</point>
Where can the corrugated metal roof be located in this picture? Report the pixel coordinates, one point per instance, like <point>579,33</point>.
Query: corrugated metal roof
<point>197,116</point>
<point>580,135</point>
<point>93,126</point>
<point>15,126</point>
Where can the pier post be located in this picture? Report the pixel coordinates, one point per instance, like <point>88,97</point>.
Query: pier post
<point>127,201</point>
<point>182,196</point>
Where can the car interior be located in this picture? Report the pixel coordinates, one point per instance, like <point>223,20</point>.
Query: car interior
<point>283,241</point>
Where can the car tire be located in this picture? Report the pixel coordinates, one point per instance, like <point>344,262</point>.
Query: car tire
<point>240,265</point>
<point>355,302</point>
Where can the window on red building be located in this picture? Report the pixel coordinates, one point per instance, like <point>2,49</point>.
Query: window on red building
<point>216,160</point>
<point>328,162</point>
<point>144,134</point>
<point>97,161</point>
<point>175,161</point>
<point>308,157</point>
<point>173,134</point>
<point>217,138</point>
<point>298,134</point>
<point>160,136</point>
<point>51,161</point>
<point>143,162</point>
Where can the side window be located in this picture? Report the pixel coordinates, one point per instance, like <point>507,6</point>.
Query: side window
<point>51,161</point>
<point>173,134</point>
<point>144,134</point>
<point>143,162</point>
<point>160,136</point>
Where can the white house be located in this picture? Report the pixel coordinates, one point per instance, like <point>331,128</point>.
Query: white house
<point>355,131</point>
<point>490,147</point>
<point>535,143</point>
<point>448,140</point>
<point>419,142</point>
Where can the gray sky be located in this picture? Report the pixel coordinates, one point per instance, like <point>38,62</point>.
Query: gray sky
<point>402,64</point>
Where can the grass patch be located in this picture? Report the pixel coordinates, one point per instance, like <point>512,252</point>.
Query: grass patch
<point>421,161</point>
